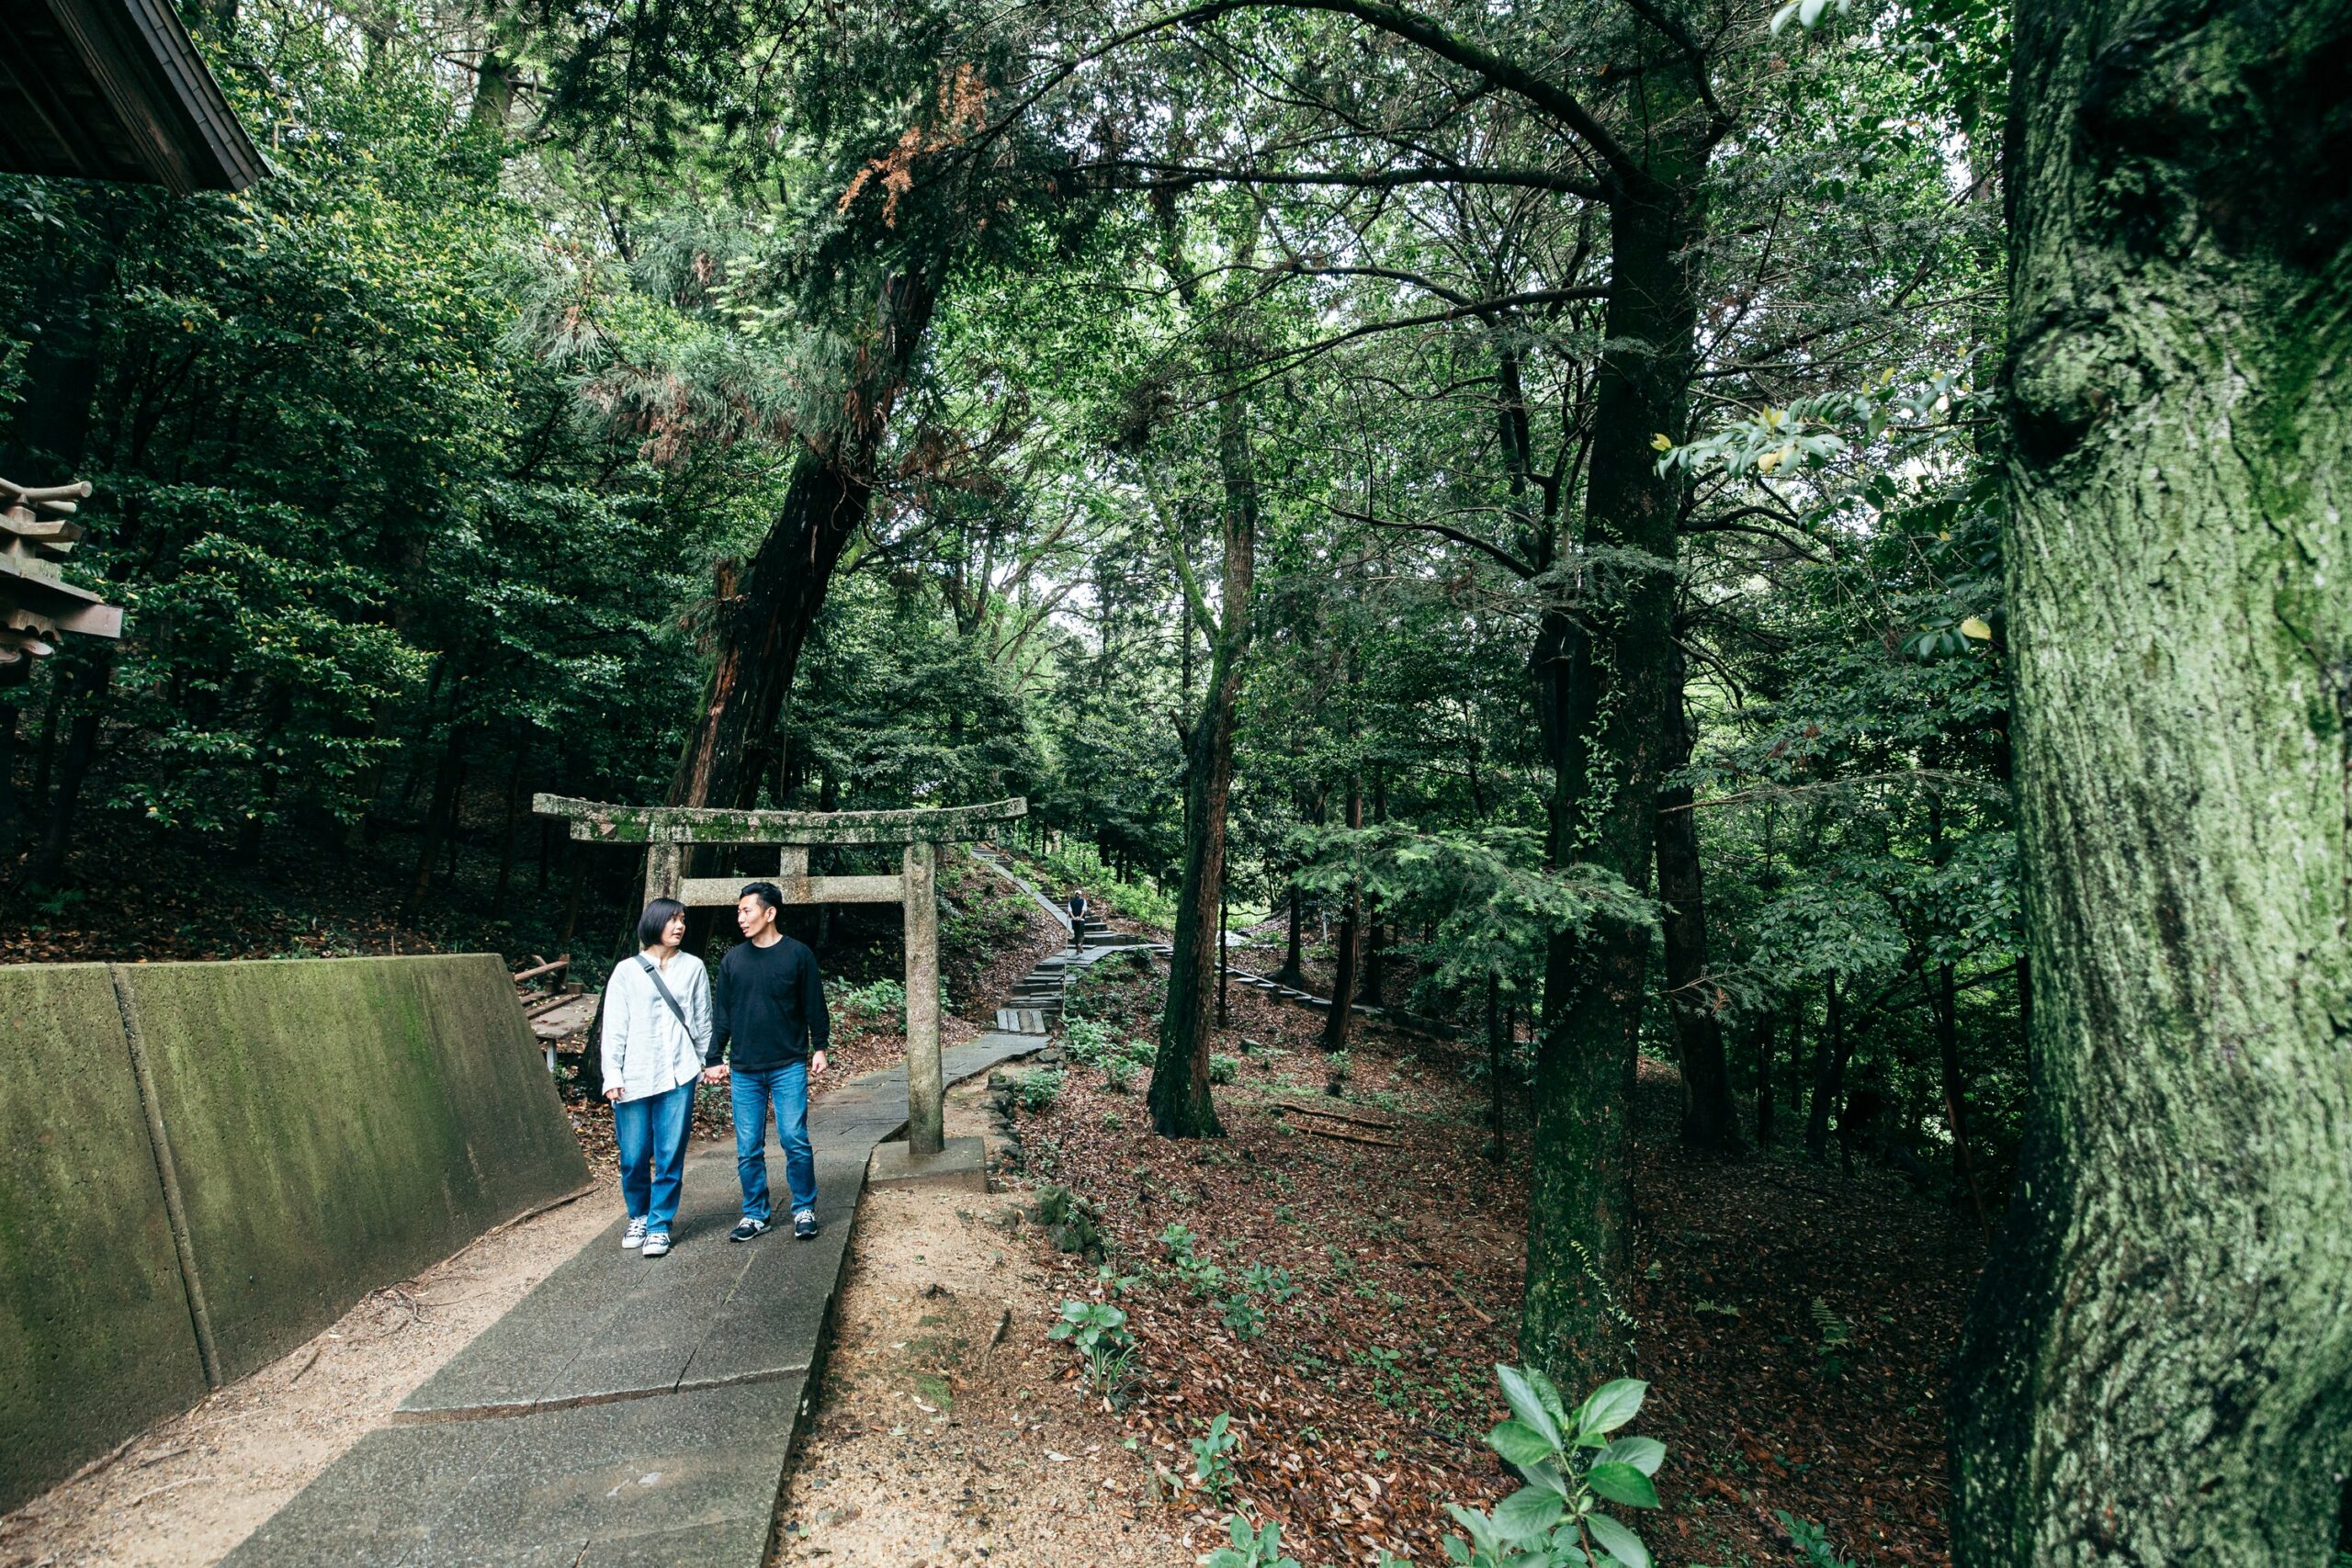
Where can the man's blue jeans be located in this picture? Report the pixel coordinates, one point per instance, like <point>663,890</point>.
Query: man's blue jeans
<point>652,1135</point>
<point>786,1087</point>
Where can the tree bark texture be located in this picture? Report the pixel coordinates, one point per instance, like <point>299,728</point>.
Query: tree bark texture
<point>1181,1103</point>
<point>1342,1015</point>
<point>48,867</point>
<point>1709,1120</point>
<point>2158,1365</point>
<point>1604,686</point>
<point>763,625</point>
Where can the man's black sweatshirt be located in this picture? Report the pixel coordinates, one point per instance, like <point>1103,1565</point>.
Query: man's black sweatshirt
<point>770,1002</point>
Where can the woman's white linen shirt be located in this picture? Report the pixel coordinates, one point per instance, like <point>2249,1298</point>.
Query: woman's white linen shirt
<point>646,1051</point>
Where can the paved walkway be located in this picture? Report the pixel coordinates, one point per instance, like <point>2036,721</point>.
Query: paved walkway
<point>625,1412</point>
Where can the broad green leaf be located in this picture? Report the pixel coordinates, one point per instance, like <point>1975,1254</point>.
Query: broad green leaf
<point>1520,1443</point>
<point>1546,1391</point>
<point>1645,1454</point>
<point>1622,1483</point>
<point>1529,1511</point>
<point>1617,1540</point>
<point>1612,1405</point>
<point>1526,1403</point>
<point>1972,626</point>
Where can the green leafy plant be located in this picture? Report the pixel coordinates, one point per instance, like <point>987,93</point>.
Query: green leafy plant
<point>1245,1317</point>
<point>1212,1459</point>
<point>1814,1548</point>
<point>1118,1072</point>
<point>1074,1224</point>
<point>1086,1041</point>
<point>1223,1068</point>
<point>1098,1331</point>
<point>1337,1066</point>
<point>1039,1089</point>
<point>1250,1548</point>
<point>1266,1281</point>
<point>1572,1467</point>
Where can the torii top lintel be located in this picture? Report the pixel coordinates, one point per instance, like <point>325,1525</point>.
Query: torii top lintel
<point>600,822</point>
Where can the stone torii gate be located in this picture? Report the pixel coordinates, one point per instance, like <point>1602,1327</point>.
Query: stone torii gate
<point>667,832</point>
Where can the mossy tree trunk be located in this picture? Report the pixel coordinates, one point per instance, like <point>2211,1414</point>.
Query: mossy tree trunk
<point>1182,1105</point>
<point>1710,1122</point>
<point>2158,1365</point>
<point>1605,689</point>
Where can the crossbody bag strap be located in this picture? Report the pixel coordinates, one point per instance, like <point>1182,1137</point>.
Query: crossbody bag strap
<point>654,975</point>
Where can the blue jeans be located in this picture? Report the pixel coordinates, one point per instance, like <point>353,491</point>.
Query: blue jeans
<point>786,1087</point>
<point>652,1133</point>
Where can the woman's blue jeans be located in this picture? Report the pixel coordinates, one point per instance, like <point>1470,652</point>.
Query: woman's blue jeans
<point>785,1088</point>
<point>652,1133</point>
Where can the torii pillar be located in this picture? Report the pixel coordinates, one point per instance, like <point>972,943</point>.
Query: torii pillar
<point>666,831</point>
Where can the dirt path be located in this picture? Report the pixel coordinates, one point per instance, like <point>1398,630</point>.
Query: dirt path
<point>185,1492</point>
<point>945,1434</point>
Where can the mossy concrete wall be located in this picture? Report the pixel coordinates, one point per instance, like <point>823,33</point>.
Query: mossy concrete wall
<point>327,1128</point>
<point>340,1125</point>
<point>95,1341</point>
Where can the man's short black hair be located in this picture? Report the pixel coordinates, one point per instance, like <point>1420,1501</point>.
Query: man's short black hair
<point>656,920</point>
<point>768,893</point>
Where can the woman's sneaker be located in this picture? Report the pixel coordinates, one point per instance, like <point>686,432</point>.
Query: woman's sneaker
<point>804,1223</point>
<point>657,1243</point>
<point>746,1228</point>
<point>633,1237</point>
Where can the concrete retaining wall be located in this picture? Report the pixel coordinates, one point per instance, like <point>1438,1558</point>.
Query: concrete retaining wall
<point>327,1128</point>
<point>95,1341</point>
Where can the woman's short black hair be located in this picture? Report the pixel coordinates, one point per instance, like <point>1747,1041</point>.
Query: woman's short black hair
<point>656,919</point>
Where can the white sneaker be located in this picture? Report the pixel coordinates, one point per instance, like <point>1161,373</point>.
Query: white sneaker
<point>633,1237</point>
<point>657,1244</point>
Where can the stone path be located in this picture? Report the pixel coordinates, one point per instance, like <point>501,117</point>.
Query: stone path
<point>625,1412</point>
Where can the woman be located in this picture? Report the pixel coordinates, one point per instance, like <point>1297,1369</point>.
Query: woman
<point>656,1025</point>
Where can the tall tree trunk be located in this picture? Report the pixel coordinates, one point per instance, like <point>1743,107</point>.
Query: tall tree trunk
<point>1179,1096</point>
<point>438,814</point>
<point>1374,987</point>
<point>1336,1023</point>
<point>1494,1068</point>
<point>1829,1054</point>
<point>1710,1119</point>
<point>1294,970</point>
<point>1604,690</point>
<point>48,867</point>
<point>506,837</point>
<point>2158,1365</point>
<point>15,822</point>
<point>1181,1103</point>
<point>765,621</point>
<point>1766,1028</point>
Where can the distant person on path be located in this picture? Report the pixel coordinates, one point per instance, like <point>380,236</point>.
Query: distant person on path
<point>1078,907</point>
<point>657,1026</point>
<point>772,1009</point>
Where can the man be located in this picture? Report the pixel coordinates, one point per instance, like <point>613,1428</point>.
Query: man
<point>1078,917</point>
<point>771,1006</point>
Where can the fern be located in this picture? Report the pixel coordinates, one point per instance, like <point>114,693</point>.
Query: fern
<point>1836,1332</point>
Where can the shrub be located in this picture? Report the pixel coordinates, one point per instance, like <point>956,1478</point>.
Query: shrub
<point>1244,1317</point>
<point>1116,1073</point>
<point>1038,1090</point>
<point>1222,1068</point>
<point>1073,1222</point>
<point>1336,1066</point>
<point>1086,1041</point>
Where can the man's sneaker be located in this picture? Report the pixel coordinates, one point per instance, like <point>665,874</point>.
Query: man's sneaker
<point>748,1227</point>
<point>634,1236</point>
<point>657,1243</point>
<point>804,1223</point>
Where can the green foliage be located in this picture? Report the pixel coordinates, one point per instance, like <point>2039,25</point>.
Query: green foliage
<point>1813,1546</point>
<point>1249,1548</point>
<point>1116,1073</point>
<point>1098,1332</point>
<point>1038,1089</point>
<point>1572,1467</point>
<point>1223,1068</point>
<point>1212,1459</point>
